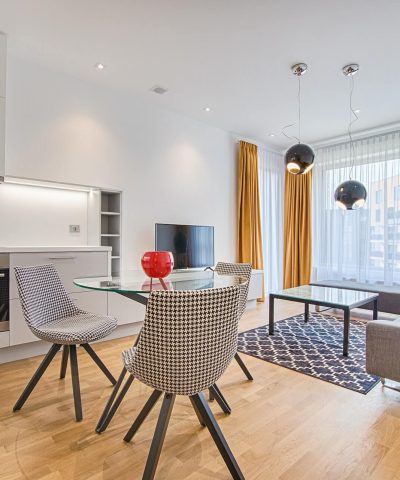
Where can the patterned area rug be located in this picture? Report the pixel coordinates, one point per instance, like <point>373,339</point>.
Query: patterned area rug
<point>313,348</point>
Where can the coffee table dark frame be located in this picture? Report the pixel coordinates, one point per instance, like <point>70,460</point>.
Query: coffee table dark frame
<point>346,309</point>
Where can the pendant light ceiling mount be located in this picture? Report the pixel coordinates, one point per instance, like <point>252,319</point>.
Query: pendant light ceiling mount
<point>351,69</point>
<point>299,69</point>
<point>299,158</point>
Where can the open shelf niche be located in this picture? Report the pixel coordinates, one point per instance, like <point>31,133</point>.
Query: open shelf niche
<point>110,226</point>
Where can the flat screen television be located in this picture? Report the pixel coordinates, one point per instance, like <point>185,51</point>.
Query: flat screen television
<point>191,245</point>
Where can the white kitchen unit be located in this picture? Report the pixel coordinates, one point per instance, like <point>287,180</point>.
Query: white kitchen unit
<point>3,66</point>
<point>71,262</point>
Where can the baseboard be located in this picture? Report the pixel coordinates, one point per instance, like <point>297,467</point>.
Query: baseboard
<point>28,350</point>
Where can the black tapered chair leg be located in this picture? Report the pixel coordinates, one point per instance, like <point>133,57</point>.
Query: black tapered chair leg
<point>159,436</point>
<point>210,395</point>
<point>220,399</point>
<point>36,377</point>
<point>148,407</point>
<point>199,417</point>
<point>64,361</point>
<point>243,367</point>
<point>116,404</point>
<point>111,399</point>
<point>98,362</point>
<point>75,382</point>
<point>217,436</point>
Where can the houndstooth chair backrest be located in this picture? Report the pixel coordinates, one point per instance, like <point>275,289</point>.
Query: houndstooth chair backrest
<point>188,339</point>
<point>43,296</point>
<point>241,270</point>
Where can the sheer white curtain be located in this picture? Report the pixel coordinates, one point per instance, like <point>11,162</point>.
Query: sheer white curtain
<point>361,245</point>
<point>272,176</point>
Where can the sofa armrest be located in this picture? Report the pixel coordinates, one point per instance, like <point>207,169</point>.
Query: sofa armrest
<point>383,348</point>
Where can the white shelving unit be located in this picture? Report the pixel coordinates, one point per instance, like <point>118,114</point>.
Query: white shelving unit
<point>110,226</point>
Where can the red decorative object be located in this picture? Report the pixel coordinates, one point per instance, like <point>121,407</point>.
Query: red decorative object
<point>158,265</point>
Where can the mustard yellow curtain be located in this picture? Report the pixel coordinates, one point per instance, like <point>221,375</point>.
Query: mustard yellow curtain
<point>249,217</point>
<point>297,230</point>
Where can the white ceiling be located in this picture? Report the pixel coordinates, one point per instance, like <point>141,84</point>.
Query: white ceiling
<point>231,55</point>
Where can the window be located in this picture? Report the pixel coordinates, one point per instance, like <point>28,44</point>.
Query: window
<point>358,244</point>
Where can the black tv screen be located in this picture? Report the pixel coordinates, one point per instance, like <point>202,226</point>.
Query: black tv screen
<point>191,245</point>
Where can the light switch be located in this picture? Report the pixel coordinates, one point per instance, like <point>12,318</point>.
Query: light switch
<point>74,229</point>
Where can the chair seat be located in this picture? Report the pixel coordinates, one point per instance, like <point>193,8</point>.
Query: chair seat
<point>76,329</point>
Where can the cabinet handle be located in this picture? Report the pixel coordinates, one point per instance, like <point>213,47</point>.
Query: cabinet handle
<point>61,258</point>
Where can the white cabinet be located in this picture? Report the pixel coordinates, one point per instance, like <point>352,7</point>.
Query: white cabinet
<point>70,265</point>
<point>124,309</point>
<point>256,285</point>
<point>3,64</point>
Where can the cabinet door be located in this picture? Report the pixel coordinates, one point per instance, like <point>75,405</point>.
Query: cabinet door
<point>124,309</point>
<point>92,302</point>
<point>70,265</point>
<point>2,135</point>
<point>19,330</point>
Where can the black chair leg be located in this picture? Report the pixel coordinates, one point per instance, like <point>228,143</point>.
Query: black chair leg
<point>217,436</point>
<point>159,435</point>
<point>200,418</point>
<point>148,407</point>
<point>64,361</point>
<point>75,382</point>
<point>220,399</point>
<point>210,395</point>
<point>36,377</point>
<point>115,405</point>
<point>111,399</point>
<point>98,362</point>
<point>243,367</point>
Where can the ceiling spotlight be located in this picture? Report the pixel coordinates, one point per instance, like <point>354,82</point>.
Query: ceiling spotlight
<point>271,135</point>
<point>207,109</point>
<point>357,110</point>
<point>100,66</point>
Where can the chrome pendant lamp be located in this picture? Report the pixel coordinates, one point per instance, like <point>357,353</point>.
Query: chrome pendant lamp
<point>300,157</point>
<point>351,194</point>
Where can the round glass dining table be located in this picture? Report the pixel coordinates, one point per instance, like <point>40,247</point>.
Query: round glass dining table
<point>137,286</point>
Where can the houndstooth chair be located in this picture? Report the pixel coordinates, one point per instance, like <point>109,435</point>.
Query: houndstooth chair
<point>187,341</point>
<point>53,317</point>
<point>242,270</point>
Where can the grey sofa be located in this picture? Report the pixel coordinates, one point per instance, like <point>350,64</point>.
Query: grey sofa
<point>383,349</point>
<point>389,296</point>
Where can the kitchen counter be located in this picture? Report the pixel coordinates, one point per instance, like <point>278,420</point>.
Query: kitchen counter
<point>83,248</point>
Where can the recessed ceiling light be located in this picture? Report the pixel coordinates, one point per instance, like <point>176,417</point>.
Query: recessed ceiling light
<point>271,135</point>
<point>357,110</point>
<point>207,109</point>
<point>158,89</point>
<point>100,66</point>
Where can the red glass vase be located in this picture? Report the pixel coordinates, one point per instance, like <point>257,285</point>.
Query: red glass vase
<point>157,264</point>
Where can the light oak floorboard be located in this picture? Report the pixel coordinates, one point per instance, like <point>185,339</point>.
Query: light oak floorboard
<point>284,425</point>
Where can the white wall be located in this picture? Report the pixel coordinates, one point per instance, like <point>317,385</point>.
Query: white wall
<point>170,168</point>
<point>41,216</point>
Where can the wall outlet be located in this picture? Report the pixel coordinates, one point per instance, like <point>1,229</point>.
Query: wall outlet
<point>74,229</point>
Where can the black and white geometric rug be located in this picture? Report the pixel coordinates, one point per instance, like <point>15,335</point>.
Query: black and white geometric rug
<point>313,348</point>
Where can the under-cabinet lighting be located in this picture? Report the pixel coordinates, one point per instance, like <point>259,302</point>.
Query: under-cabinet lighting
<point>46,184</point>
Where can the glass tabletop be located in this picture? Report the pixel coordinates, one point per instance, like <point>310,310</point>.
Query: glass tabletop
<point>327,295</point>
<point>138,282</point>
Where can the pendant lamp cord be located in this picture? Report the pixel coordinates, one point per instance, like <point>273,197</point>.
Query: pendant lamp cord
<point>299,105</point>
<point>353,117</point>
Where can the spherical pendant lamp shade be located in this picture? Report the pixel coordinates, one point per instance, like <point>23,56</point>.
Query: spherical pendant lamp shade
<point>350,195</point>
<point>299,159</point>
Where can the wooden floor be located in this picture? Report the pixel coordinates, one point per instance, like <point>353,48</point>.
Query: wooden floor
<point>284,425</point>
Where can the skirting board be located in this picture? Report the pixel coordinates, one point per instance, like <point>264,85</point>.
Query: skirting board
<point>28,350</point>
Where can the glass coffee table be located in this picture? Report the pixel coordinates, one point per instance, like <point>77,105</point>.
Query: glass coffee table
<point>325,297</point>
